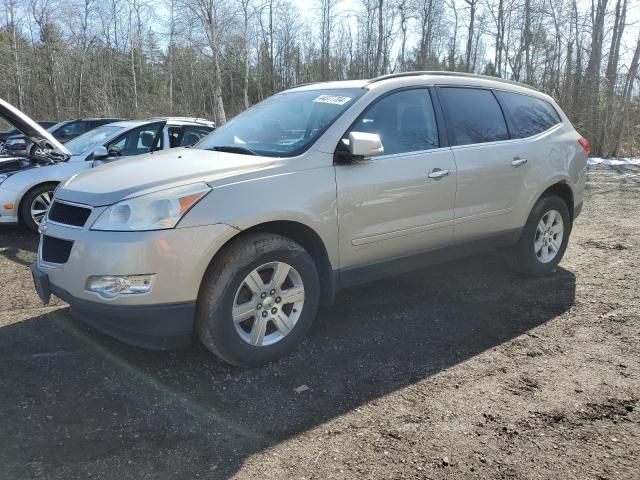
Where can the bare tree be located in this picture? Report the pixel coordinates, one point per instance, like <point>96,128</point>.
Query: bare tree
<point>217,57</point>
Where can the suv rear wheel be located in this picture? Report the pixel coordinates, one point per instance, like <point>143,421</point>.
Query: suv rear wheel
<point>257,300</point>
<point>544,238</point>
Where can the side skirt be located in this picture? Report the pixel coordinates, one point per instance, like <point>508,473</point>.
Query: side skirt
<point>360,274</point>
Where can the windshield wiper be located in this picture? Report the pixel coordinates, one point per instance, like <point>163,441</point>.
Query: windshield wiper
<point>233,149</point>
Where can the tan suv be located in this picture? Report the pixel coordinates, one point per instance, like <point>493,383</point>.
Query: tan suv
<point>317,188</point>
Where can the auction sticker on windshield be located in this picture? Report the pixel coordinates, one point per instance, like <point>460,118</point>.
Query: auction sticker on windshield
<point>332,99</point>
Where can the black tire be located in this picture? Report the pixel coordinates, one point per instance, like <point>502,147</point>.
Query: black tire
<point>523,256</point>
<point>27,201</point>
<point>214,323</point>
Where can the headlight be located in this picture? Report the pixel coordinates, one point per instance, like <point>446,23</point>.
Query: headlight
<point>154,211</point>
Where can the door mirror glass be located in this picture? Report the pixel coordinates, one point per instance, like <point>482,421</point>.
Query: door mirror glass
<point>362,145</point>
<point>100,153</point>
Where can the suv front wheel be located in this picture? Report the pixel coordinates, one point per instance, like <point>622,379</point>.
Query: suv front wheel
<point>544,238</point>
<point>257,300</point>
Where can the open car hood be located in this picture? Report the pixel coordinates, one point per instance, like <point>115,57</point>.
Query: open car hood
<point>30,128</point>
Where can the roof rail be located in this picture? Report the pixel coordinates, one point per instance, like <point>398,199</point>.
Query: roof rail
<point>184,119</point>
<point>446,74</point>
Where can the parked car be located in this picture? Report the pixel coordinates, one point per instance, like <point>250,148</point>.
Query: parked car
<point>25,191</point>
<point>16,136</point>
<point>62,131</point>
<point>3,138</point>
<point>317,188</point>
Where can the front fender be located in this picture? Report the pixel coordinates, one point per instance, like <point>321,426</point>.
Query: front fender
<point>306,196</point>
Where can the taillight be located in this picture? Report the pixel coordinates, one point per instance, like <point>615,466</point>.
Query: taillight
<point>585,145</point>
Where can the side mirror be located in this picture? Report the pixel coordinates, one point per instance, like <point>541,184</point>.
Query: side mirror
<point>100,153</point>
<point>363,145</point>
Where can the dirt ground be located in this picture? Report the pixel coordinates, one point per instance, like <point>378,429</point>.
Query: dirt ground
<point>465,370</point>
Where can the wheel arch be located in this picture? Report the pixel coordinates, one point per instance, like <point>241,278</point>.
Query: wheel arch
<point>305,236</point>
<point>563,190</point>
<point>27,191</point>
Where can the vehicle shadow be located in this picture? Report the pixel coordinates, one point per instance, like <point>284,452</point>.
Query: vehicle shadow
<point>17,244</point>
<point>76,402</point>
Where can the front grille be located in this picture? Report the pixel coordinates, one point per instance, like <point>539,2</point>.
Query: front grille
<point>55,250</point>
<point>68,214</point>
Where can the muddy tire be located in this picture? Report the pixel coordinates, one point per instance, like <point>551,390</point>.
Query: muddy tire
<point>544,238</point>
<point>257,300</point>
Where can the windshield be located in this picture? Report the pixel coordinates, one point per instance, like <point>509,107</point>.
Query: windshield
<point>284,125</point>
<point>91,139</point>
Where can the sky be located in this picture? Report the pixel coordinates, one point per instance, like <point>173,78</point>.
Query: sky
<point>310,14</point>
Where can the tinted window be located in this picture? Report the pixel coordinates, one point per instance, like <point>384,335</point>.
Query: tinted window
<point>528,115</point>
<point>186,136</point>
<point>192,135</point>
<point>404,121</point>
<point>135,142</point>
<point>474,115</point>
<point>72,129</point>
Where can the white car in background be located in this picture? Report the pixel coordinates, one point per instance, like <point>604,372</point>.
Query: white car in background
<point>27,183</point>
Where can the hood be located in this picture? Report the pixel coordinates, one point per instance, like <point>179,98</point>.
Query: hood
<point>10,165</point>
<point>135,176</point>
<point>13,164</point>
<point>29,128</point>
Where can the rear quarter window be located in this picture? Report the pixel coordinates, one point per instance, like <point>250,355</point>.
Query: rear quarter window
<point>474,115</point>
<point>528,116</point>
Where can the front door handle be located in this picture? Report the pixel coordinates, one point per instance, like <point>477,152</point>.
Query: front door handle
<point>437,173</point>
<point>516,162</point>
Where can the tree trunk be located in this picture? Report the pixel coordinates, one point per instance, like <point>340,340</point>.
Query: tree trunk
<point>626,99</point>
<point>470,33</point>
<point>378,69</point>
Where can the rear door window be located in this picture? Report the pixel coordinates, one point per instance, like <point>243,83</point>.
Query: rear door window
<point>474,115</point>
<point>186,135</point>
<point>193,134</point>
<point>528,115</point>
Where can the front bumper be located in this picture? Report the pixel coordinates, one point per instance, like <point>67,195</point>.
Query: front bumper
<point>158,327</point>
<point>161,318</point>
<point>176,258</point>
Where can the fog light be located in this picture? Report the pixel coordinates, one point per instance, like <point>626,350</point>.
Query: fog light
<point>110,286</point>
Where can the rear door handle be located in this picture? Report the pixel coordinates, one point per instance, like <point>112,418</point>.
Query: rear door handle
<point>516,162</point>
<point>437,173</point>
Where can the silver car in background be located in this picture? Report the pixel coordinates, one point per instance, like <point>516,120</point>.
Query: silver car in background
<point>27,184</point>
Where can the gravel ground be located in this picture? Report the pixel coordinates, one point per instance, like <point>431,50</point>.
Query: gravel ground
<point>466,370</point>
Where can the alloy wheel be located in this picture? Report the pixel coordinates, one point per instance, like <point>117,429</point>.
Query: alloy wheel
<point>40,205</point>
<point>268,304</point>
<point>548,237</point>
